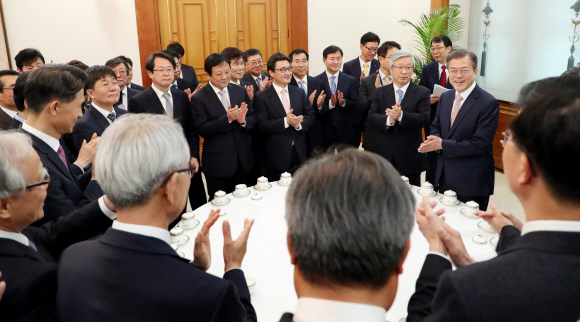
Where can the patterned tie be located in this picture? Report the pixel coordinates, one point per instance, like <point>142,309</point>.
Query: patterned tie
<point>168,105</point>
<point>456,108</point>
<point>258,81</point>
<point>31,245</point>
<point>332,85</point>
<point>366,69</point>
<point>443,80</point>
<point>112,116</point>
<point>285,101</point>
<point>400,93</point>
<point>60,153</point>
<point>303,87</point>
<point>387,80</point>
<point>224,99</point>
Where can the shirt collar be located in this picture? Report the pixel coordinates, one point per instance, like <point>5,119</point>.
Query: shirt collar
<point>103,111</point>
<point>20,118</point>
<point>440,65</point>
<point>362,63</point>
<point>217,90</point>
<point>404,88</point>
<point>468,91</point>
<point>254,77</point>
<point>9,112</point>
<point>238,83</point>
<point>383,76</point>
<point>279,89</point>
<point>52,142</point>
<point>150,231</point>
<point>160,93</point>
<point>551,225</point>
<point>328,74</point>
<point>124,91</point>
<point>305,79</point>
<point>19,237</point>
<point>320,310</point>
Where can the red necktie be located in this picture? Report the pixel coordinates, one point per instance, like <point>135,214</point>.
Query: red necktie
<point>60,153</point>
<point>443,80</point>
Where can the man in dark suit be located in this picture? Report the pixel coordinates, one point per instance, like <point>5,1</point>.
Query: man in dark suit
<point>255,76</point>
<point>54,95</point>
<point>160,98</point>
<point>104,92</point>
<point>223,116</point>
<point>284,114</point>
<point>29,255</point>
<point>7,107</point>
<point>436,73</point>
<point>338,112</point>
<point>237,66</point>
<point>367,87</point>
<point>18,96</point>
<point>187,72</point>
<point>313,89</point>
<point>121,68</point>
<point>538,272</point>
<point>180,83</point>
<point>134,257</point>
<point>129,63</point>
<point>399,112</point>
<point>463,133</point>
<point>365,64</point>
<point>347,281</point>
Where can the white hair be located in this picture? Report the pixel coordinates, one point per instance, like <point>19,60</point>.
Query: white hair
<point>400,54</point>
<point>135,154</point>
<point>15,147</point>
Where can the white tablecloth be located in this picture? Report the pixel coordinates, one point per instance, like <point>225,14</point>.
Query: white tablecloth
<point>267,259</point>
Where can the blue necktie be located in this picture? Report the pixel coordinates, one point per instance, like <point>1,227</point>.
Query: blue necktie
<point>303,87</point>
<point>400,93</point>
<point>332,85</point>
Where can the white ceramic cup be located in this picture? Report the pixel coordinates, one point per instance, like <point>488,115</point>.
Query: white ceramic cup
<point>219,197</point>
<point>471,207</point>
<point>251,284</point>
<point>285,178</point>
<point>177,235</point>
<point>427,188</point>
<point>262,183</point>
<point>241,189</point>
<point>450,197</point>
<point>188,219</point>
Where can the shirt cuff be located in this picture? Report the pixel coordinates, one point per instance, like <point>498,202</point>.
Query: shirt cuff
<point>343,105</point>
<point>401,117</point>
<point>389,122</point>
<point>299,127</point>
<point>286,123</point>
<point>243,124</point>
<point>83,170</point>
<point>105,210</point>
<point>439,254</point>
<point>330,107</point>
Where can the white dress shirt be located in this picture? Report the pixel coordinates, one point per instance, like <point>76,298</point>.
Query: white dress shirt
<point>150,231</point>
<point>395,88</point>
<point>441,70</point>
<point>319,310</point>
<point>161,98</point>
<point>9,112</point>
<point>104,111</point>
<point>124,98</point>
<point>551,225</point>
<point>465,95</point>
<point>279,92</point>
<point>328,75</point>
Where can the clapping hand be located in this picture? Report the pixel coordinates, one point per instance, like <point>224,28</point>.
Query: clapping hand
<point>498,218</point>
<point>429,224</point>
<point>265,83</point>
<point>311,98</point>
<point>190,94</point>
<point>321,98</point>
<point>433,143</point>
<point>340,98</point>
<point>378,81</point>
<point>88,151</point>
<point>394,112</point>
<point>244,110</point>
<point>362,75</point>
<point>233,113</point>
<point>293,119</point>
<point>202,248</point>
<point>250,91</point>
<point>235,250</point>
<point>193,162</point>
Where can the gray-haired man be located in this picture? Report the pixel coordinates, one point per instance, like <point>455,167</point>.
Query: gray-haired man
<point>348,248</point>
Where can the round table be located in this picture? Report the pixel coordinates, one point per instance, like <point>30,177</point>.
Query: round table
<point>267,259</point>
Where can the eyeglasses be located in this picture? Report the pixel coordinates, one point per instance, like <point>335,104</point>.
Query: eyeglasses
<point>163,71</point>
<point>45,180</point>
<point>256,63</point>
<point>285,69</point>
<point>400,68</point>
<point>191,171</point>
<point>463,71</point>
<point>372,50</point>
<point>506,136</point>
<point>437,48</point>
<point>122,72</point>
<point>11,87</point>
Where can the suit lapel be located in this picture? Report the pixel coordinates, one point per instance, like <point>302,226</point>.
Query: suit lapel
<point>214,99</point>
<point>342,82</point>
<point>408,97</point>
<point>15,249</point>
<point>99,118</point>
<point>177,103</point>
<point>154,101</point>
<point>469,102</point>
<point>276,102</point>
<point>44,148</point>
<point>374,66</point>
<point>391,99</point>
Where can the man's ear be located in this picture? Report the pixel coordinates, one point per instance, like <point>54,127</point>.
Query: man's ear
<point>404,256</point>
<point>53,107</point>
<point>290,249</point>
<point>170,187</point>
<point>4,213</point>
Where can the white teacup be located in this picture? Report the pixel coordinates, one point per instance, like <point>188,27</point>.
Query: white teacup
<point>251,284</point>
<point>219,197</point>
<point>450,197</point>
<point>262,183</point>
<point>178,236</point>
<point>241,189</point>
<point>285,178</point>
<point>188,220</point>
<point>471,207</point>
<point>406,180</point>
<point>427,188</point>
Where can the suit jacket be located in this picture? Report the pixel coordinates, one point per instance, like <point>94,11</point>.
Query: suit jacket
<point>507,237</point>
<point>189,74</point>
<point>147,101</point>
<point>131,92</point>
<point>536,279</point>
<point>16,124</point>
<point>137,87</point>
<point>399,143</point>
<point>5,120</point>
<point>131,277</point>
<point>429,78</point>
<point>353,68</point>
<point>338,122</point>
<point>315,133</point>
<point>365,94</point>
<point>225,144</point>
<point>248,78</point>
<point>287,317</point>
<point>183,84</point>
<point>91,122</point>
<point>468,146</point>
<point>31,275</point>
<point>271,114</point>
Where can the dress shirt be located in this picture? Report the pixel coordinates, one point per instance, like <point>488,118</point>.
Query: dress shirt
<point>441,70</point>
<point>305,80</point>
<point>279,92</point>
<point>52,142</point>
<point>104,111</point>
<point>9,112</point>
<point>465,95</point>
<point>319,310</point>
<point>238,83</point>
<point>150,231</point>
<point>125,98</point>
<point>161,98</point>
<point>383,77</point>
<point>19,118</point>
<point>227,93</point>
<point>551,225</point>
<point>362,65</point>
<point>254,77</point>
<point>328,75</point>
<point>404,89</point>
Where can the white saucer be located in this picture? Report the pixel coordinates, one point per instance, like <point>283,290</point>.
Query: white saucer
<point>483,225</point>
<point>184,242</point>
<point>248,191</point>
<point>269,186</point>
<point>223,204</point>
<point>462,211</point>
<point>180,224</point>
<point>493,241</point>
<point>431,195</point>
<point>457,202</point>
<point>479,240</point>
<point>256,197</point>
<point>285,185</point>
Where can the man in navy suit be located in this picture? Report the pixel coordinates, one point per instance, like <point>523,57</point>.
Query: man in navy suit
<point>223,116</point>
<point>160,98</point>
<point>462,134</point>
<point>104,92</point>
<point>365,64</point>
<point>132,273</point>
<point>339,111</point>
<point>255,76</point>
<point>180,83</point>
<point>436,73</point>
<point>399,112</point>
<point>129,63</point>
<point>538,272</point>
<point>237,66</point>
<point>187,72</point>
<point>284,115</point>
<point>121,68</point>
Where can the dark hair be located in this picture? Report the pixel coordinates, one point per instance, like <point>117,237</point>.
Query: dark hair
<point>298,52</point>
<point>232,53</point>
<point>276,58</point>
<point>547,131</point>
<point>214,60</point>
<point>572,71</point>
<point>18,92</point>
<point>176,47</point>
<point>370,37</point>
<point>384,48</point>
<point>331,50</point>
<point>26,56</point>
<point>114,62</point>
<point>250,52</point>
<point>443,38</point>
<point>96,73</point>
<point>150,64</point>
<point>460,53</point>
<point>127,60</point>
<point>6,72</point>
<point>78,63</point>
<point>171,53</point>
<point>53,82</point>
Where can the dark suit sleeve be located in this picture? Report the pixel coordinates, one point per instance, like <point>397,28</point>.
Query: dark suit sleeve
<point>189,128</point>
<point>436,125</point>
<point>206,128</point>
<point>508,235</point>
<point>423,80</point>
<point>481,141</point>
<point>308,114</point>
<point>251,117</point>
<point>351,101</point>
<point>265,124</point>
<point>238,278</point>
<point>134,106</point>
<point>363,101</point>
<point>419,119</point>
<point>39,295</point>
<point>375,118</point>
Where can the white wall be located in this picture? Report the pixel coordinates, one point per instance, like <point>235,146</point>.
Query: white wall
<point>92,31</point>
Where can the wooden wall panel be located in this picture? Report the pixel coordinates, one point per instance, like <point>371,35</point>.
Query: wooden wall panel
<point>439,3</point>
<point>147,32</point>
<point>507,112</point>
<point>297,13</point>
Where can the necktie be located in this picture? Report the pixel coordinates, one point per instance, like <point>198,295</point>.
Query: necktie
<point>60,153</point>
<point>366,69</point>
<point>168,105</point>
<point>303,87</point>
<point>173,85</point>
<point>443,79</point>
<point>31,245</point>
<point>224,99</point>
<point>112,117</point>
<point>400,93</point>
<point>332,85</point>
<point>456,107</point>
<point>387,80</point>
<point>258,81</point>
<point>285,101</point>
<point>121,101</point>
